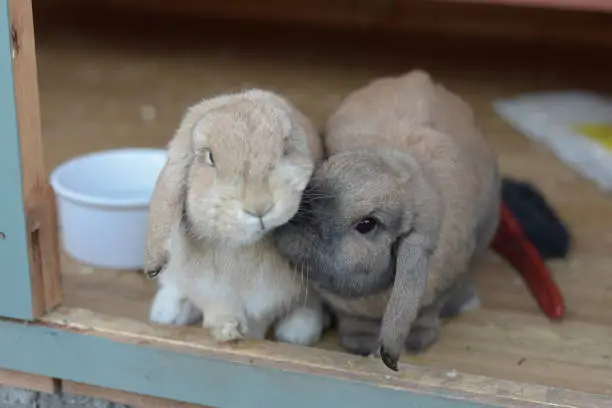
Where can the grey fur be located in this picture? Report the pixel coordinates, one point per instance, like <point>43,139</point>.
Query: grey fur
<point>405,151</point>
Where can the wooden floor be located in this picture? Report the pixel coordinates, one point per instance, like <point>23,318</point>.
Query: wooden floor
<point>95,88</point>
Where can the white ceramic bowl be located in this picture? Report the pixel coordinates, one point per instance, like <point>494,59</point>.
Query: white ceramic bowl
<point>103,202</point>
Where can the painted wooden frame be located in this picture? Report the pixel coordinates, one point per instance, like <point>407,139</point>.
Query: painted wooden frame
<point>80,351</point>
<point>185,366</point>
<point>30,272</point>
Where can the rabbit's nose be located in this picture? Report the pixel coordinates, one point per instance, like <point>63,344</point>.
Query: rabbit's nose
<point>258,210</point>
<point>257,200</point>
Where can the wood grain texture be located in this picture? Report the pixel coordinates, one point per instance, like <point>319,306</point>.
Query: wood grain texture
<point>591,5</point>
<point>145,360</point>
<point>293,368</point>
<point>122,397</point>
<point>39,200</point>
<point>29,381</point>
<point>96,82</point>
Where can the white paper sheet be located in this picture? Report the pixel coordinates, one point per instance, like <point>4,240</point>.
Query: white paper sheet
<point>577,126</point>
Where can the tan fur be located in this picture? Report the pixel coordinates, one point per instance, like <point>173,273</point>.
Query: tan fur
<point>166,203</point>
<point>236,170</point>
<point>406,153</point>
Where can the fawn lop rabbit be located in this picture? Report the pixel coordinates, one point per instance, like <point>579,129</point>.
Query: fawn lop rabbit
<point>392,222</point>
<point>236,169</point>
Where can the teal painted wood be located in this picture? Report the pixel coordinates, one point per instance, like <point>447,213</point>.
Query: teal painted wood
<point>189,377</point>
<point>15,286</point>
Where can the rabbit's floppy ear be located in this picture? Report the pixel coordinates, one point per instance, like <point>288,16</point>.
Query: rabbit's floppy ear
<point>315,145</point>
<point>167,201</point>
<point>414,248</point>
<point>166,204</point>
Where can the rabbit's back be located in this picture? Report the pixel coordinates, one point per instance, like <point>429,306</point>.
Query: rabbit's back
<point>394,111</point>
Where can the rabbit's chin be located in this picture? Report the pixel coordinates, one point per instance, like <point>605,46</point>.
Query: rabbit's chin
<point>245,239</point>
<point>249,231</point>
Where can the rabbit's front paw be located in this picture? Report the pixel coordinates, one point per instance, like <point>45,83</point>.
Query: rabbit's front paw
<point>225,329</point>
<point>424,332</point>
<point>302,326</point>
<point>361,344</point>
<point>421,338</point>
<point>170,307</point>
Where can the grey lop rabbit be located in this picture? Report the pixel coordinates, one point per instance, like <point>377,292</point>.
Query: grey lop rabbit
<point>392,222</point>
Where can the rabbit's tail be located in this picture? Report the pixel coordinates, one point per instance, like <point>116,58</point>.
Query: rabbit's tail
<point>528,233</point>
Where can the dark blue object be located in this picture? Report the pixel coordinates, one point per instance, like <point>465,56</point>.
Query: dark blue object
<point>539,220</point>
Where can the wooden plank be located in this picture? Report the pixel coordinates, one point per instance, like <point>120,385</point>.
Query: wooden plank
<point>29,381</point>
<point>122,397</point>
<point>588,5</point>
<point>457,19</point>
<point>180,363</point>
<point>41,214</point>
<point>42,288</point>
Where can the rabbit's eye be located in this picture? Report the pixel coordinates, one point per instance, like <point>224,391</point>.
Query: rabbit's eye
<point>207,157</point>
<point>366,225</point>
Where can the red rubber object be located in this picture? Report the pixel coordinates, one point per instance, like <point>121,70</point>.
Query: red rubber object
<point>513,245</point>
